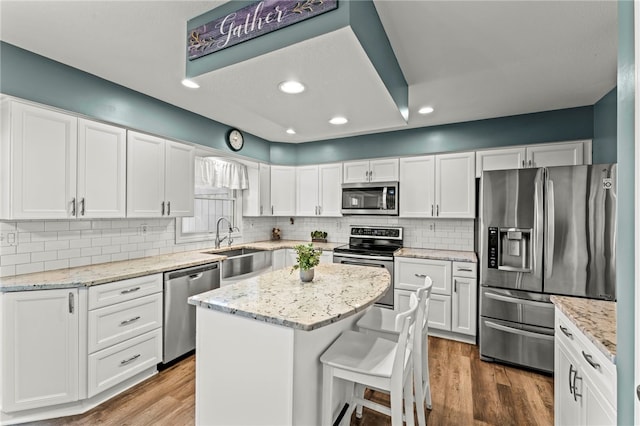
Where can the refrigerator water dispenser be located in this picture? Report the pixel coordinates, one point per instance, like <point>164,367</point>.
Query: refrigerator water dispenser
<point>514,249</point>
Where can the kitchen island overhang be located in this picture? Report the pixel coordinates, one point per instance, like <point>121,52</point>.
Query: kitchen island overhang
<point>258,342</point>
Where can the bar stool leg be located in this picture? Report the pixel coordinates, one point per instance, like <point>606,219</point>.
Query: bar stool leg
<point>327,395</point>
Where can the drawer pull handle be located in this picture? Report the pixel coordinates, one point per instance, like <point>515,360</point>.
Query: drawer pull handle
<point>566,332</point>
<point>130,290</point>
<point>129,321</point>
<point>590,360</point>
<point>127,361</point>
<point>465,269</point>
<point>421,275</point>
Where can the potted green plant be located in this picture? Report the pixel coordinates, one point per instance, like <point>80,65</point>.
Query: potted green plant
<point>307,258</point>
<point>318,236</point>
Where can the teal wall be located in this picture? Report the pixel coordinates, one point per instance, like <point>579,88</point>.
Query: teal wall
<point>550,126</point>
<point>625,269</point>
<point>605,128</point>
<point>33,77</point>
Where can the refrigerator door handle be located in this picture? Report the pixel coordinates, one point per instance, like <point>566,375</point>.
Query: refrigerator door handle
<point>518,331</point>
<point>550,231</point>
<point>509,299</point>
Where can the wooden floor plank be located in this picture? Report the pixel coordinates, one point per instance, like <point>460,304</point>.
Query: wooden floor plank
<point>465,391</point>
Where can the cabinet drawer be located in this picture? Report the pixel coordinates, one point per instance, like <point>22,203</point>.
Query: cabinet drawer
<point>122,361</point>
<point>409,274</point>
<point>599,369</point>
<point>117,323</point>
<point>120,291</point>
<point>465,269</point>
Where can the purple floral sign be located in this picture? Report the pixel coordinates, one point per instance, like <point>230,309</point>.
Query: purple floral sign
<point>252,21</point>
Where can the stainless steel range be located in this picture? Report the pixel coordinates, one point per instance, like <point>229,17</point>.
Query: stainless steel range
<point>372,246</point>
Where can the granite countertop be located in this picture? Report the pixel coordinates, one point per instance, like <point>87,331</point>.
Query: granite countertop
<point>455,255</point>
<point>337,291</point>
<point>85,276</point>
<point>595,318</point>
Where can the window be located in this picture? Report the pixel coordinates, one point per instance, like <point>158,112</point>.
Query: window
<point>210,205</point>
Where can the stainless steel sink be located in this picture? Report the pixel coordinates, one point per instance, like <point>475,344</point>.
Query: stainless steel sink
<point>243,263</point>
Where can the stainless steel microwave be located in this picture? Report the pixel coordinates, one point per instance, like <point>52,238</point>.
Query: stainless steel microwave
<point>379,198</point>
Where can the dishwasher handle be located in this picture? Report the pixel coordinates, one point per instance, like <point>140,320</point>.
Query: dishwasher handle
<point>191,272</point>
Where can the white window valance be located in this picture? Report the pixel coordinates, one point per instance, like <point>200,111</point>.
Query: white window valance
<point>218,173</point>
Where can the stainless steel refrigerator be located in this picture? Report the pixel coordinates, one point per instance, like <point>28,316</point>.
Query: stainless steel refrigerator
<point>543,231</point>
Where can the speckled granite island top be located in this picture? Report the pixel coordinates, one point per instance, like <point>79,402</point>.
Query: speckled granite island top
<point>337,291</point>
<point>455,255</point>
<point>595,318</point>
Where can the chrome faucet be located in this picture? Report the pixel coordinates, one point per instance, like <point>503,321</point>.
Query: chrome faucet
<point>218,239</point>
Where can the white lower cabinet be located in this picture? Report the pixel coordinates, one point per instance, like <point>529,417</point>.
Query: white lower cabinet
<point>585,380</point>
<point>39,348</point>
<point>452,308</point>
<point>125,335</point>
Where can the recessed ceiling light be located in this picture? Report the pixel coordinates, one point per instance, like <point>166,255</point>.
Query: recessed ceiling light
<point>426,110</point>
<point>338,120</point>
<point>190,84</point>
<point>291,131</point>
<point>292,87</point>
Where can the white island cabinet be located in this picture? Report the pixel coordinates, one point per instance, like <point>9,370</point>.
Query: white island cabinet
<point>585,385</point>
<point>258,343</point>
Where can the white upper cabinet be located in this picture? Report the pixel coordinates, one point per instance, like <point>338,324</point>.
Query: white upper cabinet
<point>385,170</point>
<point>38,170</point>
<point>330,189</point>
<point>416,193</point>
<point>283,191</point>
<point>102,159</point>
<point>307,187</point>
<point>256,200</point>
<point>557,154</point>
<point>541,155</point>
<point>438,186</point>
<point>179,179</point>
<point>318,190</point>
<point>500,159</point>
<point>160,177</point>
<point>455,192</point>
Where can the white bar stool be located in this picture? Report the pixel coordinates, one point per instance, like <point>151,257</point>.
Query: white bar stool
<point>382,322</point>
<point>370,361</point>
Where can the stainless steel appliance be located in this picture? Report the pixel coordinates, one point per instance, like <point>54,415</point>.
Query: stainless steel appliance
<point>180,317</point>
<point>372,246</point>
<point>379,198</point>
<point>543,231</point>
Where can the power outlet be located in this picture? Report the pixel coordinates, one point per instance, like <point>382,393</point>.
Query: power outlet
<point>144,228</point>
<point>8,239</point>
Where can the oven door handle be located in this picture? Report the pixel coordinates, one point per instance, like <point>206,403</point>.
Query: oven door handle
<point>509,299</point>
<point>518,331</point>
<point>350,262</point>
<point>360,257</point>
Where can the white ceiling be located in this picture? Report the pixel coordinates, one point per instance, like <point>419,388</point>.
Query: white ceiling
<point>468,59</point>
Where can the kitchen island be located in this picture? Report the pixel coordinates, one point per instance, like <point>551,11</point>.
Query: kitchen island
<point>258,342</point>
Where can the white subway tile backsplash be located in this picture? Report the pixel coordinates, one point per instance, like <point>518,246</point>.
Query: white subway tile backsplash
<point>119,256</point>
<point>56,226</point>
<point>90,251</point>
<point>56,264</point>
<point>110,249</point>
<point>8,250</point>
<point>56,245</point>
<point>102,241</point>
<point>44,256</point>
<point>79,261</point>
<point>30,226</point>
<point>7,271</point>
<point>30,247</point>
<point>15,259</point>
<point>82,243</point>
<point>68,235</point>
<point>103,258</point>
<point>68,254</point>
<point>44,236</point>
<point>8,226</point>
<point>29,268</point>
<point>79,225</point>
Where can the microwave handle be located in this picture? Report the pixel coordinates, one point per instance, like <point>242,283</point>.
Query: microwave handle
<point>384,198</point>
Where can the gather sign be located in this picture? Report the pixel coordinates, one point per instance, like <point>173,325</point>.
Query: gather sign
<point>259,18</point>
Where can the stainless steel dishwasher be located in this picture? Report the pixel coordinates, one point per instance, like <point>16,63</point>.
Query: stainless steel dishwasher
<point>180,317</point>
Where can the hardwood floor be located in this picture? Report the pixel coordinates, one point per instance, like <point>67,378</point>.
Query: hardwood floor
<point>465,391</point>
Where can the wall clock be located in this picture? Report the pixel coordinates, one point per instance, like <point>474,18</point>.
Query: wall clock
<point>235,139</point>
